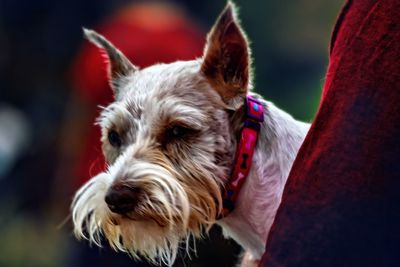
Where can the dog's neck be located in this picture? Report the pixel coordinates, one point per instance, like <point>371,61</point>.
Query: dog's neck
<point>278,143</point>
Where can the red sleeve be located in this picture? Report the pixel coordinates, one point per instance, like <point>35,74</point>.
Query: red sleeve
<point>341,205</point>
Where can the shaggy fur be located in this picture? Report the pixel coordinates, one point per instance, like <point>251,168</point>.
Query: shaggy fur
<point>170,139</point>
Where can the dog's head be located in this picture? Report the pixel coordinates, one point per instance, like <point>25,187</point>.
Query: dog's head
<point>169,139</point>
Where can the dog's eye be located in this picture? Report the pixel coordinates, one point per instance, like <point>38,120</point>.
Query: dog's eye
<point>114,138</point>
<point>179,131</point>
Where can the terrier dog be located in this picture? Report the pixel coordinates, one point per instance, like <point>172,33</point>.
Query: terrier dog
<point>176,139</point>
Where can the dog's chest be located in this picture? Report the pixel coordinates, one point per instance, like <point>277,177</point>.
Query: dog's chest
<point>250,222</point>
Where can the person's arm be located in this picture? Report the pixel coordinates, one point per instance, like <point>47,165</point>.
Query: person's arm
<point>341,203</point>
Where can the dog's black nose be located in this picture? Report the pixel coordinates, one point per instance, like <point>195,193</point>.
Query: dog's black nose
<point>122,199</point>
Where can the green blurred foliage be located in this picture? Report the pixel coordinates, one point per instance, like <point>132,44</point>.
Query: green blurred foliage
<point>28,242</point>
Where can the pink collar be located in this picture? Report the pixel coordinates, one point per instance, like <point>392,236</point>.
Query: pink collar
<point>244,154</point>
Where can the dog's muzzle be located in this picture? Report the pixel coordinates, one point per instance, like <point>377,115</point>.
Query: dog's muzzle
<point>122,199</point>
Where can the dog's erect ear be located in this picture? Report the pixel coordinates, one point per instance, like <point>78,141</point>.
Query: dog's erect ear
<point>226,62</point>
<point>119,65</point>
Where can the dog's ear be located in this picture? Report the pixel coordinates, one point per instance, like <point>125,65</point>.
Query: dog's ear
<point>226,60</point>
<point>119,65</point>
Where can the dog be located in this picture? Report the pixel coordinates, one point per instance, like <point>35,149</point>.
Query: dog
<point>188,145</point>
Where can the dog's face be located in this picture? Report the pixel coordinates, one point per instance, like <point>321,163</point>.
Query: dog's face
<point>169,139</point>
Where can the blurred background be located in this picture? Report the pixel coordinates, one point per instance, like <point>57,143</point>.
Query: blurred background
<point>51,82</point>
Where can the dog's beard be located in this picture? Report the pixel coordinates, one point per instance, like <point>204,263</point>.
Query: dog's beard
<point>168,214</point>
